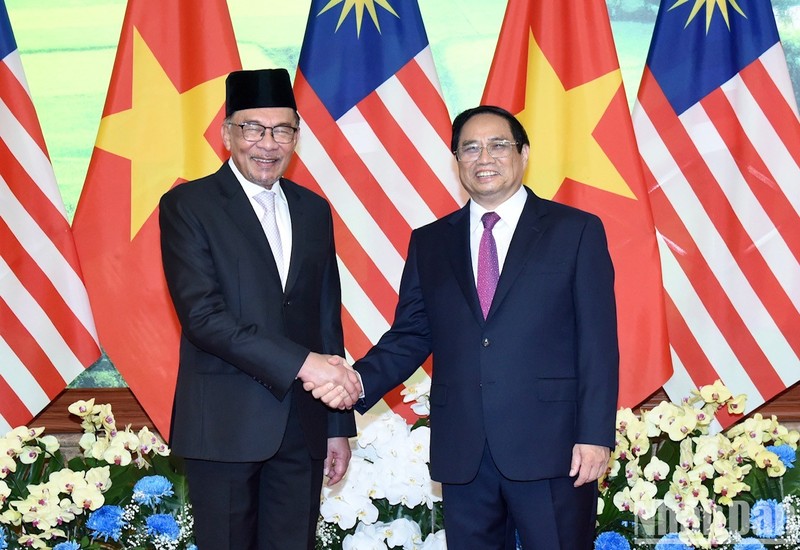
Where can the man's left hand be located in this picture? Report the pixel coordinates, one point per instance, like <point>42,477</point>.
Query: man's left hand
<point>337,460</point>
<point>589,462</point>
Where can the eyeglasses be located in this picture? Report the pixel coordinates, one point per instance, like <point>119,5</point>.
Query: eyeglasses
<point>253,132</point>
<point>496,149</point>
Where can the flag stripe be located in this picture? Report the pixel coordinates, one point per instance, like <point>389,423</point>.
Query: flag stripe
<point>777,144</point>
<point>13,411</point>
<point>378,290</point>
<point>339,169</point>
<point>723,153</point>
<point>751,162</point>
<point>696,240</point>
<point>22,344</point>
<point>692,327</point>
<point>47,334</point>
<point>772,269</point>
<point>343,194</point>
<point>40,249</point>
<point>419,78</point>
<point>42,290</point>
<point>15,93</point>
<point>369,128</point>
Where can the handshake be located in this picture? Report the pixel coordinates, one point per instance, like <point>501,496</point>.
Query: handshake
<point>330,379</point>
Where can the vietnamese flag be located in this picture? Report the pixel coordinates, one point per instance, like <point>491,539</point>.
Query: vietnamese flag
<point>160,127</point>
<point>556,69</point>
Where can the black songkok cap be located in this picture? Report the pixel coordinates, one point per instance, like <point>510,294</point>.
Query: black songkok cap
<point>257,89</point>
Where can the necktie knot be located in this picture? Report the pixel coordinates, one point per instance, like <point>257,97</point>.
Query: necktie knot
<point>489,220</point>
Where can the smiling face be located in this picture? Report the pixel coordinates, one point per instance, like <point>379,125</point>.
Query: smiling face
<point>262,162</point>
<point>490,181</point>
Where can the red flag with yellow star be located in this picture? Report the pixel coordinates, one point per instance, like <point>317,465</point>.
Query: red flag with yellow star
<point>160,127</point>
<point>556,69</point>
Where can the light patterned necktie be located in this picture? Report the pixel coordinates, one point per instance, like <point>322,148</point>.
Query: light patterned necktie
<point>488,265</point>
<point>270,224</point>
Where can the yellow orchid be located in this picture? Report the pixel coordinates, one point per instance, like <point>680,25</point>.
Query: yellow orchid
<point>100,478</point>
<point>656,469</point>
<point>29,454</point>
<point>632,471</point>
<point>680,425</point>
<point>737,404</point>
<point>701,472</point>
<point>728,487</point>
<point>5,491</point>
<point>82,408</point>
<point>117,453</point>
<point>7,465</point>
<point>88,497</point>
<point>715,393</point>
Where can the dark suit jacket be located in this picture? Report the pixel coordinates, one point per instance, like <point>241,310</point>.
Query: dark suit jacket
<point>534,378</point>
<point>243,338</point>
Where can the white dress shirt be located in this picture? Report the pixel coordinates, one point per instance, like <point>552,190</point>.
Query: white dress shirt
<point>509,213</point>
<point>282,216</point>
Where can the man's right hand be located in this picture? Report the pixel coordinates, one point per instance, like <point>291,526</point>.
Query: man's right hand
<point>331,380</point>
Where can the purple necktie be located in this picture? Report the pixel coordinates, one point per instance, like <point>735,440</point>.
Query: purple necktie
<point>488,266</point>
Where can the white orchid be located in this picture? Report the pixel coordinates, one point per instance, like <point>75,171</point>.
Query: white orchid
<point>389,464</point>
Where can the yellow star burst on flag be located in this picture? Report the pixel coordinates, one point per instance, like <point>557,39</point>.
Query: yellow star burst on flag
<point>560,124</point>
<point>359,6</point>
<point>162,133</point>
<point>710,5</point>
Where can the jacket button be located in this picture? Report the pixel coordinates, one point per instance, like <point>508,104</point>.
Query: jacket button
<point>486,342</point>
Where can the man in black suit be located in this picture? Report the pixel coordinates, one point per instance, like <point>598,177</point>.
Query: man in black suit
<point>514,297</point>
<point>250,264</point>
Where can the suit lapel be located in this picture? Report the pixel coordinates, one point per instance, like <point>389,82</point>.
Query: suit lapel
<point>239,209</point>
<point>461,260</point>
<point>529,229</point>
<point>299,232</point>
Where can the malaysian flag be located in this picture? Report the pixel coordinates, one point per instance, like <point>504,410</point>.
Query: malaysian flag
<point>375,141</point>
<point>717,127</point>
<point>47,334</point>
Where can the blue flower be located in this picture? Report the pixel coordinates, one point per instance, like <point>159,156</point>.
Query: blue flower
<point>749,544</point>
<point>67,546</point>
<point>785,453</point>
<point>611,540</point>
<point>192,547</point>
<point>106,522</point>
<point>671,541</point>
<point>3,541</point>
<point>768,518</point>
<point>151,489</point>
<point>163,525</point>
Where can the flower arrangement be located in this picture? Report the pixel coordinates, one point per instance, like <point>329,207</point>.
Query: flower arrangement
<point>387,498</point>
<point>106,498</point>
<point>675,484</point>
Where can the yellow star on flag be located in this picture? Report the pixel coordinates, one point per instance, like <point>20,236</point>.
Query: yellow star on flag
<point>359,6</point>
<point>560,124</point>
<point>162,133</point>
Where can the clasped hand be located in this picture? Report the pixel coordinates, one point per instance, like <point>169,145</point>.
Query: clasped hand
<point>330,379</point>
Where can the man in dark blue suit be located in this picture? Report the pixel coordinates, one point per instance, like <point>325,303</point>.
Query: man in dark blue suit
<point>525,366</point>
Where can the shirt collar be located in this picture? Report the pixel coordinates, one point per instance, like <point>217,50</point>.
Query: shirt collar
<point>251,189</point>
<point>509,211</point>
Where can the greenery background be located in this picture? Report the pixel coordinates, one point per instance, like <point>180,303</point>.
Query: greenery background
<point>68,49</point>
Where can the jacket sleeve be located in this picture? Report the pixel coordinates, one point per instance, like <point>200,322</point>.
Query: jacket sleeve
<point>598,349</point>
<point>405,346</point>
